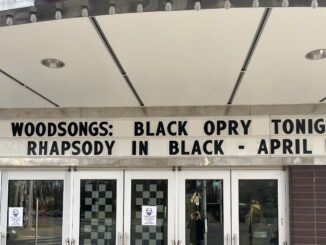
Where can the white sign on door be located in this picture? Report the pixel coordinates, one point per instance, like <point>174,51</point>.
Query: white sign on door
<point>149,215</point>
<point>15,217</point>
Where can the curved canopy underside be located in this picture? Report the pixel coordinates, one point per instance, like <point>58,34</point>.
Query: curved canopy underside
<point>241,56</point>
<point>20,10</point>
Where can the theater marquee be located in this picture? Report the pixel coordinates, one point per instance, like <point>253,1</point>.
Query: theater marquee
<point>165,137</point>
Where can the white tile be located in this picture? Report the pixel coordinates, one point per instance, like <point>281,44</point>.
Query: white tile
<point>90,78</point>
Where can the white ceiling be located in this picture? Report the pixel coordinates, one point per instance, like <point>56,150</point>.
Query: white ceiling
<point>279,73</point>
<point>90,77</point>
<point>174,58</point>
<point>13,95</point>
<point>192,58</point>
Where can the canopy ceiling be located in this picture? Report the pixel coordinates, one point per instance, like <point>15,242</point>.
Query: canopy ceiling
<point>178,58</point>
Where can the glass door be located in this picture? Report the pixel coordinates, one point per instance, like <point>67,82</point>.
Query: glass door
<point>258,207</point>
<point>98,207</point>
<point>35,207</point>
<point>149,207</point>
<point>204,207</point>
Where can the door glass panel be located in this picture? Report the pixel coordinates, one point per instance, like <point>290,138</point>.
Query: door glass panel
<point>258,212</point>
<point>97,212</point>
<point>154,195</point>
<point>40,202</point>
<point>204,212</point>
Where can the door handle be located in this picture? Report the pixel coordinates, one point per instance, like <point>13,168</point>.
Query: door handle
<point>1,236</point>
<point>179,242</point>
<point>234,239</point>
<point>67,241</point>
<point>228,239</point>
<point>125,239</point>
<point>73,241</point>
<point>119,238</point>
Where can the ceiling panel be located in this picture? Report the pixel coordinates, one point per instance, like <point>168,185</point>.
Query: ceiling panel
<point>183,58</point>
<point>90,77</point>
<point>13,95</point>
<point>278,72</point>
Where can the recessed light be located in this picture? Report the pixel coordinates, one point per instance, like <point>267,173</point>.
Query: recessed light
<point>317,54</point>
<point>52,63</point>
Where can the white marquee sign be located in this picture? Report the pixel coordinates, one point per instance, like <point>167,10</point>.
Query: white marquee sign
<point>165,137</point>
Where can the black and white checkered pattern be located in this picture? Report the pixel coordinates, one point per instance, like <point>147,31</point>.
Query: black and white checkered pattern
<point>151,196</point>
<point>96,227</point>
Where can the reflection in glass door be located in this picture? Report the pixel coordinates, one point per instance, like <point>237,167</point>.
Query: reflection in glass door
<point>204,207</point>
<point>258,207</point>
<point>39,203</point>
<point>35,208</point>
<point>258,212</point>
<point>204,210</point>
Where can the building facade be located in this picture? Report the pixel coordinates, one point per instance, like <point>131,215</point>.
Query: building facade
<point>115,148</point>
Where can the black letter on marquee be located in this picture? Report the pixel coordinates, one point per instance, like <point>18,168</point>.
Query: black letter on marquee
<point>233,125</point>
<point>276,122</point>
<point>17,129</point>
<point>139,148</point>
<point>104,129</point>
<point>54,149</point>
<point>319,126</point>
<point>288,126</point>
<point>262,147</point>
<point>275,144</point>
<point>209,128</point>
<point>173,147</point>
<point>31,146</point>
<point>138,129</point>
<point>287,146</point>
<point>76,147</point>
<point>109,146</point>
<point>245,126</point>
<point>43,148</point>
<point>182,128</point>
<point>218,147</point>
<point>220,126</point>
<point>305,147</point>
<point>65,146</point>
